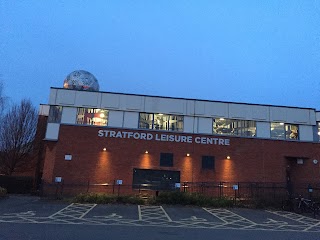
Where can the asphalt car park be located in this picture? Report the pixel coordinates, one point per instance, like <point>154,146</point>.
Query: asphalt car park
<point>39,214</point>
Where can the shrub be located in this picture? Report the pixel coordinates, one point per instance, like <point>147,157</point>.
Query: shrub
<point>183,198</point>
<point>3,192</point>
<point>106,199</point>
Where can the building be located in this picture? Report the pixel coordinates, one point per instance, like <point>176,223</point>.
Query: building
<point>95,137</point>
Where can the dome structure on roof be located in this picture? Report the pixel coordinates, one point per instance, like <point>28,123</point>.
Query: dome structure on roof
<point>81,80</point>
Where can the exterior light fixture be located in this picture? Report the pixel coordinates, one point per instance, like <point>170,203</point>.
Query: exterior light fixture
<point>146,152</point>
<point>319,133</point>
<point>104,149</point>
<point>281,123</point>
<point>221,119</point>
<point>228,157</point>
<point>188,154</point>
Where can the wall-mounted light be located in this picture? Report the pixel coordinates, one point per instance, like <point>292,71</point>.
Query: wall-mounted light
<point>146,152</point>
<point>188,154</point>
<point>221,119</point>
<point>228,157</point>
<point>104,149</point>
<point>281,123</point>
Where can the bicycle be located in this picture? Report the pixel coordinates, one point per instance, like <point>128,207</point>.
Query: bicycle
<point>301,205</point>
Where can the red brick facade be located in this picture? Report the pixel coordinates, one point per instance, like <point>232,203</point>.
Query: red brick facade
<point>251,160</point>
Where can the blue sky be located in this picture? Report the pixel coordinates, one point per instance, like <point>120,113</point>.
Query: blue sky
<point>265,52</point>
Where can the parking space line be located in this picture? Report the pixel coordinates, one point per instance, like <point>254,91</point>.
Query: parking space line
<point>88,210</point>
<point>149,213</point>
<point>295,217</point>
<point>139,212</point>
<point>60,211</point>
<point>312,226</point>
<point>228,216</point>
<point>170,220</point>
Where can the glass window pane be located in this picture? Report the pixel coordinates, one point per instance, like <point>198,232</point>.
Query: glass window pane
<point>222,126</point>
<point>176,123</point>
<point>146,120</point>
<point>55,114</point>
<point>292,131</point>
<point>319,130</point>
<point>92,116</point>
<point>277,130</point>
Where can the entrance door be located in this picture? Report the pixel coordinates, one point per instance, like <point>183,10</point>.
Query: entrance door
<point>155,179</point>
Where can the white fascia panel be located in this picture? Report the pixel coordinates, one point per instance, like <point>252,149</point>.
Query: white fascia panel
<point>188,124</point>
<point>165,105</point>
<point>131,120</point>
<point>69,115</point>
<point>296,115</point>
<point>110,101</point>
<point>306,133</point>
<point>52,132</point>
<point>239,111</point>
<point>134,103</point>
<point>66,97</point>
<point>260,112</point>
<point>263,129</point>
<point>87,99</point>
<point>278,114</point>
<point>115,119</point>
<point>216,109</point>
<point>205,125</point>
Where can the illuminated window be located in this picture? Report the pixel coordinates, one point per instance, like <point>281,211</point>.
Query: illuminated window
<point>55,113</point>
<point>242,128</point>
<point>92,116</point>
<point>284,131</point>
<point>161,122</point>
<point>319,130</point>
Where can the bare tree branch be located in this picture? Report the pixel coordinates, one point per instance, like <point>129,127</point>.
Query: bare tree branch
<point>17,134</point>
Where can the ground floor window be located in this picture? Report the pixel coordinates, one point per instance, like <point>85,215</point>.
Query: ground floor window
<point>319,130</point>
<point>155,179</point>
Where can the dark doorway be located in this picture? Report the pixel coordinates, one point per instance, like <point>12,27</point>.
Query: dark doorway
<point>155,179</point>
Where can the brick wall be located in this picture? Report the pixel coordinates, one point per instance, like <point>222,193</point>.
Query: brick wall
<point>251,160</point>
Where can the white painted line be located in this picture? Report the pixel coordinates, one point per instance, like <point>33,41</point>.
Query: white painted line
<point>214,215</point>
<point>170,220</point>
<point>306,229</point>
<point>88,211</point>
<point>139,212</point>
<point>60,211</point>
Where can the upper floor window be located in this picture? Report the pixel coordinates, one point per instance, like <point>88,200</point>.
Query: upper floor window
<point>161,122</point>
<point>243,128</point>
<point>92,116</point>
<point>55,114</point>
<point>284,131</point>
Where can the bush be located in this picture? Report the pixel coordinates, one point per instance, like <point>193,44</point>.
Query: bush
<point>183,198</point>
<point>106,199</point>
<point>3,192</point>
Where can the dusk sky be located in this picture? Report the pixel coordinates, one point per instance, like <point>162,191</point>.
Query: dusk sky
<point>265,52</point>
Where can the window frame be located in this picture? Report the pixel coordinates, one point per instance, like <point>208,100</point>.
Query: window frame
<point>207,162</point>
<point>166,160</point>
